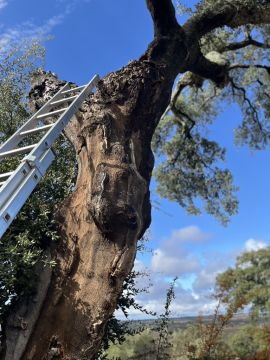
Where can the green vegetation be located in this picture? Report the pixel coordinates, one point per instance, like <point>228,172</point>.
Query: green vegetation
<point>248,282</point>
<point>163,344</point>
<point>242,340</point>
<point>224,335</point>
<point>23,245</point>
<point>116,331</point>
<point>192,170</point>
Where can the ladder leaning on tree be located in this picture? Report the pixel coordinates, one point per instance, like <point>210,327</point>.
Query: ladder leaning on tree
<point>16,186</point>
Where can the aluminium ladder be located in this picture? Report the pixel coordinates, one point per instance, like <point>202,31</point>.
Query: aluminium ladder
<point>16,186</point>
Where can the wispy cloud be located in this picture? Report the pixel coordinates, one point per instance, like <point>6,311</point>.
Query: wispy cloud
<point>31,30</point>
<point>3,3</point>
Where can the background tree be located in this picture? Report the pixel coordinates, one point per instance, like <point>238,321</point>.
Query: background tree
<point>248,282</point>
<point>221,55</point>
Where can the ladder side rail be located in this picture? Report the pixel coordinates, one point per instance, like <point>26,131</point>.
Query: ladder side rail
<point>17,190</point>
<point>18,177</point>
<point>16,138</point>
<point>50,137</point>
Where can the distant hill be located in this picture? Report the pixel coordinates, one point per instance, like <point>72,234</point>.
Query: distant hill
<point>182,322</point>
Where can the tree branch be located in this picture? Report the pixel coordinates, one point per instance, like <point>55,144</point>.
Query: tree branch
<point>228,13</point>
<point>251,109</point>
<point>247,66</point>
<point>210,70</point>
<point>188,79</point>
<point>163,15</point>
<point>242,44</point>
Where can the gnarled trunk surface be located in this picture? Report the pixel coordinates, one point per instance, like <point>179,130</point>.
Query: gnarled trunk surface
<point>107,213</point>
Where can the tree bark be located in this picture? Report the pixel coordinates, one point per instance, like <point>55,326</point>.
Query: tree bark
<point>110,208</point>
<point>107,213</point>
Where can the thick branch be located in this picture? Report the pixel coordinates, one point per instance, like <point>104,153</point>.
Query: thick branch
<point>228,13</point>
<point>210,70</point>
<point>163,15</point>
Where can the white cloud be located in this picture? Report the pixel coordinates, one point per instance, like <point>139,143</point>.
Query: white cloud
<point>254,245</point>
<point>3,3</point>
<point>204,280</point>
<point>172,258</point>
<point>189,234</point>
<point>30,30</point>
<point>186,302</point>
<point>174,264</point>
<point>197,273</point>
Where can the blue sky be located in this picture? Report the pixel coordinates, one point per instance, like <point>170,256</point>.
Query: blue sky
<point>99,36</point>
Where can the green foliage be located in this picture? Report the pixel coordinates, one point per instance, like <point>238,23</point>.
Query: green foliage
<point>247,342</point>
<point>243,342</point>
<point>134,347</point>
<point>147,343</point>
<point>192,169</point>
<point>17,64</point>
<point>189,344</point>
<point>250,342</point>
<point>23,245</point>
<point>163,344</point>
<point>248,282</point>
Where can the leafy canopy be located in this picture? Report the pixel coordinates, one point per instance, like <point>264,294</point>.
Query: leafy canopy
<point>192,166</point>
<point>248,282</point>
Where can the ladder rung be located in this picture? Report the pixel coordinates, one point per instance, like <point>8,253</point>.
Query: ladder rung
<point>2,183</point>
<point>51,113</point>
<point>5,175</point>
<point>64,100</point>
<point>73,89</point>
<point>33,131</point>
<point>21,150</point>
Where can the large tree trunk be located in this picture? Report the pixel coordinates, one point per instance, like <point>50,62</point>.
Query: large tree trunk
<point>102,220</point>
<point>107,213</point>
